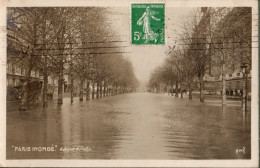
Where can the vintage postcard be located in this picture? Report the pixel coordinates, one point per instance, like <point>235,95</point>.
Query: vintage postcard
<point>109,83</point>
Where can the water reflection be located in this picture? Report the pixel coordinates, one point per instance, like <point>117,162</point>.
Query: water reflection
<point>32,128</point>
<point>131,126</point>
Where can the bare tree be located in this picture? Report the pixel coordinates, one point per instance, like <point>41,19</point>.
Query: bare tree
<point>24,25</point>
<point>230,41</point>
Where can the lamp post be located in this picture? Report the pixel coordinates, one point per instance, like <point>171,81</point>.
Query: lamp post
<point>244,98</point>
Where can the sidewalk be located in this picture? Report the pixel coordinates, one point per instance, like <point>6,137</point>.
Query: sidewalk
<point>214,100</point>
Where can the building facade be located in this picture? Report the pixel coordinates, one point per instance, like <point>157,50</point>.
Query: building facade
<point>226,32</point>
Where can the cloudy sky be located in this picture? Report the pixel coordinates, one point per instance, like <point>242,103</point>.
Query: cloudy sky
<point>145,58</point>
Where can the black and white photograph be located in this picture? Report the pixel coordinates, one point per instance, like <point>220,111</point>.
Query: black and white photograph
<point>129,83</point>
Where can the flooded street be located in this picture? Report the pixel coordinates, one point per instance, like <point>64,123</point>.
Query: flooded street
<point>130,126</point>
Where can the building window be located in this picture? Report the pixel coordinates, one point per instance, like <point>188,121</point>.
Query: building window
<point>10,68</point>
<point>23,72</point>
<point>10,81</point>
<point>238,74</point>
<point>20,82</point>
<point>33,73</point>
<point>17,70</point>
<point>230,75</point>
<point>14,82</point>
<point>49,80</point>
<point>13,69</point>
<point>237,84</point>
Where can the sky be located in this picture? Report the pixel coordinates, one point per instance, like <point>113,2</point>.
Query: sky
<point>145,58</point>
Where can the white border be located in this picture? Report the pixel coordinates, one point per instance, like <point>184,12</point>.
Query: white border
<point>253,162</point>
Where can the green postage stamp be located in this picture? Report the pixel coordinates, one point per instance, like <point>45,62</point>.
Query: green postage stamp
<point>148,23</point>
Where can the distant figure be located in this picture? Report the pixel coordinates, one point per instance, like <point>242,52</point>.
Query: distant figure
<point>149,34</point>
<point>241,92</point>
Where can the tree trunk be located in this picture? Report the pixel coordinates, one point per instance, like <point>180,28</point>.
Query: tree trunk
<point>181,91</point>
<point>201,89</point>
<point>223,89</point>
<point>176,90</point>
<point>97,91</point>
<point>190,90</point>
<point>172,90</point>
<point>88,90</point>
<point>100,90</point>
<point>24,95</point>
<point>81,90</point>
<point>45,74</point>
<point>71,89</point>
<point>93,90</point>
<point>45,87</point>
<point>60,89</point>
<point>116,90</point>
<point>104,91</point>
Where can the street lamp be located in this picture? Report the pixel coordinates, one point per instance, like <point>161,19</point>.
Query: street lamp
<point>244,98</point>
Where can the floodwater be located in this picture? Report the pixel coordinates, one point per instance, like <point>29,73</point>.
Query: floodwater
<point>129,126</point>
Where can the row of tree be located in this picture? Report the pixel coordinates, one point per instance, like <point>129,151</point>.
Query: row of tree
<point>215,41</point>
<point>76,42</point>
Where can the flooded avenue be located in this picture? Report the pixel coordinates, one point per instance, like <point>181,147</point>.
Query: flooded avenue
<point>130,126</point>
